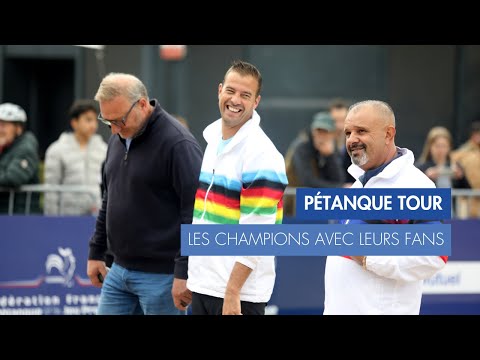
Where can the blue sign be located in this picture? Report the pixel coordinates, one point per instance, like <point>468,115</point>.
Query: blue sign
<point>43,263</point>
<point>316,240</point>
<point>403,204</point>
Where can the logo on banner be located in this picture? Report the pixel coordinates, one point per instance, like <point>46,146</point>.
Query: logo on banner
<point>59,269</point>
<point>64,263</point>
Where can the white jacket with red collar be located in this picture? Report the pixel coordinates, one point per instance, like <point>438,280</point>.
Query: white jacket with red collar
<point>390,284</point>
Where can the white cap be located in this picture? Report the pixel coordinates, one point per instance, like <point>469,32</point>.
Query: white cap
<point>12,112</point>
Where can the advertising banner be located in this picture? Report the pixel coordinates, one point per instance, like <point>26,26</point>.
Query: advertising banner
<point>43,262</point>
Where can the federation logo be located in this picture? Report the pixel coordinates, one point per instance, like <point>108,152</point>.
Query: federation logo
<point>64,263</point>
<point>59,270</point>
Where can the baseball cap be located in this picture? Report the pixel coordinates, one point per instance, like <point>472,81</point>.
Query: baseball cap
<point>323,120</point>
<point>12,112</point>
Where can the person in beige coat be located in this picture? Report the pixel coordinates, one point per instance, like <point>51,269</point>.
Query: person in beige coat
<point>468,156</point>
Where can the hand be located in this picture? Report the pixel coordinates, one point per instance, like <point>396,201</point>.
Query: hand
<point>457,171</point>
<point>432,172</point>
<point>231,304</point>
<point>358,259</point>
<point>182,297</point>
<point>94,268</point>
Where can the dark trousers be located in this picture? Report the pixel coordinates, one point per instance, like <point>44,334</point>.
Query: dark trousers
<point>210,305</point>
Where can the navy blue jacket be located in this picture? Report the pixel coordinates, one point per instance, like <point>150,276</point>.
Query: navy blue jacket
<point>149,192</point>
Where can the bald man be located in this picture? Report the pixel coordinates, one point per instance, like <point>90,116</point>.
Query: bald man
<point>378,284</point>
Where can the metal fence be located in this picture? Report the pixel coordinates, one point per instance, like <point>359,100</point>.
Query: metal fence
<point>42,188</point>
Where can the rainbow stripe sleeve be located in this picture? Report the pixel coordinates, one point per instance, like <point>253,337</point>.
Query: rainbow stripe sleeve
<point>255,200</point>
<point>223,202</point>
<point>261,197</point>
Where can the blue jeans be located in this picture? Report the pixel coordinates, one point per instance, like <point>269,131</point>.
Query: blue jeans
<point>129,292</point>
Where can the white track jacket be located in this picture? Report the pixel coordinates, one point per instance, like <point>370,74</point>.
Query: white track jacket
<point>242,185</point>
<point>391,284</point>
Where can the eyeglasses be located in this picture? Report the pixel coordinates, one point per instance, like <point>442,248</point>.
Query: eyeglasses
<point>117,122</point>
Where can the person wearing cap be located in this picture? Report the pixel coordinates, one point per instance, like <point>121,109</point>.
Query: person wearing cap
<point>316,163</point>
<point>18,159</point>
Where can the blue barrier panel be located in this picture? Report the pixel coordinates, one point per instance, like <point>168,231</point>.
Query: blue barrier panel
<point>43,271</point>
<point>43,266</point>
<point>456,289</point>
<point>299,287</point>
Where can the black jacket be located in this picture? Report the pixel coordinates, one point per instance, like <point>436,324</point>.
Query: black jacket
<point>312,169</point>
<point>461,183</point>
<point>19,166</point>
<point>149,192</point>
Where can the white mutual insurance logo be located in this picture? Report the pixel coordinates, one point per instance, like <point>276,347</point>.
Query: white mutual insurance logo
<point>457,277</point>
<point>60,267</point>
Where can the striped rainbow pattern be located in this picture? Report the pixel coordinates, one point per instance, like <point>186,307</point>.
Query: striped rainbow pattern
<point>258,196</point>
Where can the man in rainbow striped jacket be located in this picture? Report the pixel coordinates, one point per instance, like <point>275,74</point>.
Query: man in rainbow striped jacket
<point>241,182</point>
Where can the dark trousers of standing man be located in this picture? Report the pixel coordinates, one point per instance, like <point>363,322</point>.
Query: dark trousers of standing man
<point>210,305</point>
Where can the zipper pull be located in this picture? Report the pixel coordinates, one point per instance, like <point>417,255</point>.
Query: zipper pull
<point>126,155</point>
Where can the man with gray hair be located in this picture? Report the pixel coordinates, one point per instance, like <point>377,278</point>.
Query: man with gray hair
<point>378,284</point>
<point>150,177</point>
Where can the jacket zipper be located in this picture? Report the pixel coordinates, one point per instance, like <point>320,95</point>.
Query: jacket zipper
<point>126,151</point>
<point>206,196</point>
